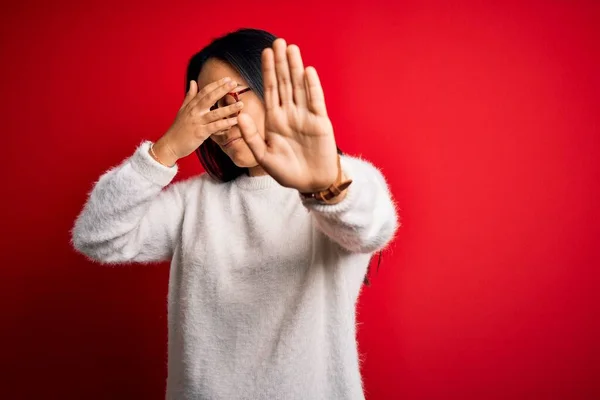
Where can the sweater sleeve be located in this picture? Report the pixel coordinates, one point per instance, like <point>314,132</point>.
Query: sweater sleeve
<point>365,221</point>
<point>128,217</point>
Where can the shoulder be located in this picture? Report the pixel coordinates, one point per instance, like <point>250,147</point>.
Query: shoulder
<point>194,183</point>
<point>197,187</point>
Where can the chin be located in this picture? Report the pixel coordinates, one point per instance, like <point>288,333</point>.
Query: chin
<point>242,157</point>
<point>245,163</point>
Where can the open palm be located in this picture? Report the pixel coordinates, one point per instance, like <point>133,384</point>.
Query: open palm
<point>299,149</point>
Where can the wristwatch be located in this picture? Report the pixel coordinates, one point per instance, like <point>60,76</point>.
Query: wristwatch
<point>332,191</point>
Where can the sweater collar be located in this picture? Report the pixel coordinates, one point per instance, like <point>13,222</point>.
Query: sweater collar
<point>256,182</point>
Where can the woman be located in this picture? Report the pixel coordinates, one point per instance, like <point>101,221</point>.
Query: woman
<point>269,249</point>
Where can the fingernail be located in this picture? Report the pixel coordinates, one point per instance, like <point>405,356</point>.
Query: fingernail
<point>239,104</point>
<point>226,79</point>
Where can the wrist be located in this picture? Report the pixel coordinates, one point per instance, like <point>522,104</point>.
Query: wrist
<point>340,197</point>
<point>336,192</point>
<point>163,154</point>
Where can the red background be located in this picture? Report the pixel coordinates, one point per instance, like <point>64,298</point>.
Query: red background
<point>484,118</point>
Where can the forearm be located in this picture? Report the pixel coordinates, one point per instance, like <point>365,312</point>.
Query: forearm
<point>363,218</point>
<point>127,206</point>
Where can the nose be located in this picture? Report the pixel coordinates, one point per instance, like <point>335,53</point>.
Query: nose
<point>228,100</point>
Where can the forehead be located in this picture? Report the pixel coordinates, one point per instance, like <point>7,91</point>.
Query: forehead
<point>215,69</point>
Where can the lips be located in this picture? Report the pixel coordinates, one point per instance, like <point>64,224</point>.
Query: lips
<point>231,141</point>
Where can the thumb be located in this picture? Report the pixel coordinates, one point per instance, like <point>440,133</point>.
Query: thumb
<point>191,93</point>
<point>252,137</point>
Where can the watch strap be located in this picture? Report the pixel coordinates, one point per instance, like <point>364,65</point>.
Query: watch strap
<point>332,191</point>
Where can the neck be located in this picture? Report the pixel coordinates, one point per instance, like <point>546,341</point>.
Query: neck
<point>256,171</point>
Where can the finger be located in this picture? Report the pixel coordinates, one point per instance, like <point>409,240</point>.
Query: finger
<point>211,98</point>
<point>269,79</point>
<point>223,112</point>
<point>212,86</point>
<point>297,74</point>
<point>252,137</point>
<point>219,127</point>
<point>192,91</point>
<point>212,92</point>
<point>282,69</point>
<point>316,98</point>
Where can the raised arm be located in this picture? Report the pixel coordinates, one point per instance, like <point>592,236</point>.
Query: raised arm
<point>129,215</point>
<point>299,151</point>
<point>366,219</point>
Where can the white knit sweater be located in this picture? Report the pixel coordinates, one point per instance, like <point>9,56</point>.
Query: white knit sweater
<point>262,286</point>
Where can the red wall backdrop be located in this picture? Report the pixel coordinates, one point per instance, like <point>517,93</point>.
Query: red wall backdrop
<point>483,117</point>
